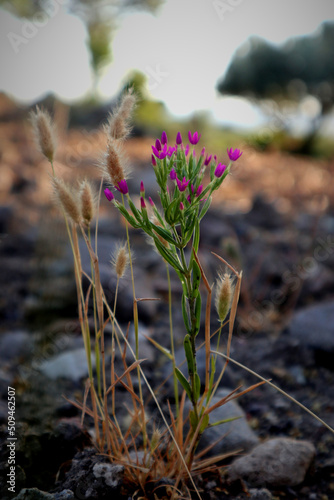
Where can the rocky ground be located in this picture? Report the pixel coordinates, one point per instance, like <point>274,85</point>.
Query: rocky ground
<point>274,219</point>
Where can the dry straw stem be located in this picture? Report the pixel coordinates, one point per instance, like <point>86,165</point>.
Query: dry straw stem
<point>45,133</point>
<point>228,358</point>
<point>118,123</point>
<point>87,202</point>
<point>67,200</point>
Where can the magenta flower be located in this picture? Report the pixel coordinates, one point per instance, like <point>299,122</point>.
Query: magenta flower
<point>189,198</point>
<point>154,161</point>
<point>181,206</point>
<point>172,174</point>
<point>142,188</point>
<point>193,139</point>
<point>207,160</point>
<point>234,155</point>
<point>170,151</point>
<point>199,190</point>
<point>151,201</point>
<point>203,152</point>
<point>164,138</point>
<point>182,185</point>
<point>178,138</point>
<point>158,145</point>
<point>220,169</point>
<point>108,194</point>
<point>122,187</point>
<point>142,202</point>
<point>186,151</point>
<point>160,154</point>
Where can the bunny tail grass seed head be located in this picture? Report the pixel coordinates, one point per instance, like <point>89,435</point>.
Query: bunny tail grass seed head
<point>118,124</point>
<point>121,260</point>
<point>112,166</point>
<point>87,202</point>
<point>67,200</point>
<point>44,132</point>
<point>224,294</point>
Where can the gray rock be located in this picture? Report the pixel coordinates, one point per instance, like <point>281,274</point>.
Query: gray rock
<point>33,494</point>
<point>237,434</point>
<point>277,462</point>
<point>14,344</point>
<point>262,494</point>
<point>64,495</point>
<point>313,326</point>
<point>71,365</point>
<point>112,474</point>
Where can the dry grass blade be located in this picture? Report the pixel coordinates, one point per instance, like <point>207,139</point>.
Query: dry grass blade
<point>127,371</point>
<point>277,388</point>
<point>208,462</point>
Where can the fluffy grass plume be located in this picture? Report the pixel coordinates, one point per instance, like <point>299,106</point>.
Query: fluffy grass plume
<point>224,295</point>
<point>87,202</point>
<point>67,200</point>
<point>44,132</point>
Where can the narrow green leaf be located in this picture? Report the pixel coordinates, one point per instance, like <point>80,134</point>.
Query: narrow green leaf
<point>193,420</point>
<point>197,386</point>
<point>169,214</point>
<point>205,423</point>
<point>189,355</point>
<point>183,381</point>
<point>205,208</point>
<point>167,255</point>
<point>198,306</point>
<point>164,234</point>
<point>131,220</point>
<point>225,421</point>
<point>135,212</point>
<point>196,278</point>
<point>185,313</point>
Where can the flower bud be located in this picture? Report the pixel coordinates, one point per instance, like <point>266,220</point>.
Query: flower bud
<point>108,194</point>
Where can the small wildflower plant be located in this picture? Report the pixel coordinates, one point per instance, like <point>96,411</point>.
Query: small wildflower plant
<point>186,183</point>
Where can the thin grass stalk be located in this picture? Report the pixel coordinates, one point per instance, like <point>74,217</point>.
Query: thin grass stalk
<point>158,405</point>
<point>174,440</point>
<point>277,388</point>
<point>136,324</point>
<point>112,375</point>
<point>97,339</point>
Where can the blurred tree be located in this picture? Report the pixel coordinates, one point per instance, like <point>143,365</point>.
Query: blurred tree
<point>99,16</point>
<point>299,72</point>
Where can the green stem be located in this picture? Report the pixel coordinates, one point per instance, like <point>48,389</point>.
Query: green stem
<point>176,391</point>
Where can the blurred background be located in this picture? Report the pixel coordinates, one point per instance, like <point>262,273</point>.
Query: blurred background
<point>254,75</point>
<point>251,74</point>
<point>262,69</point>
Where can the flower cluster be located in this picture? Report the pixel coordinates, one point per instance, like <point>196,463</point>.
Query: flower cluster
<point>186,181</point>
<point>181,178</point>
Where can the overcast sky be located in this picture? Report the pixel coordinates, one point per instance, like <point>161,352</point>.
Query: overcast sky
<point>183,50</point>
